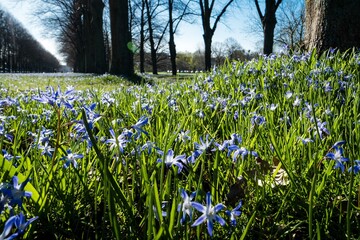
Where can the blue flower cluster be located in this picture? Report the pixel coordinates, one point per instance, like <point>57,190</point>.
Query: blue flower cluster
<point>209,213</point>
<point>337,155</point>
<point>11,196</point>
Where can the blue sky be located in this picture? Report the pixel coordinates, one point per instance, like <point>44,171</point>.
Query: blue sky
<point>188,38</point>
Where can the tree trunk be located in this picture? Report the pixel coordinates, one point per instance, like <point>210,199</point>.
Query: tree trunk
<point>332,24</point>
<point>207,40</point>
<point>172,47</point>
<point>121,56</point>
<point>95,60</point>
<point>208,33</point>
<point>142,38</point>
<point>269,23</point>
<point>206,8</point>
<point>151,39</point>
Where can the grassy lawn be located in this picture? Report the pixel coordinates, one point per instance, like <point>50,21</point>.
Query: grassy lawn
<point>265,149</point>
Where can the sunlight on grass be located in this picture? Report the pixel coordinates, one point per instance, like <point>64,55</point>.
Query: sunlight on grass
<point>262,149</point>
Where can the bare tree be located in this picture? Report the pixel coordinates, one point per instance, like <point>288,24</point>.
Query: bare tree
<point>218,52</point>
<point>139,8</point>
<point>208,12</point>
<point>156,31</point>
<point>233,49</point>
<point>182,8</point>
<point>332,24</point>
<point>268,21</point>
<point>291,25</point>
<point>121,54</point>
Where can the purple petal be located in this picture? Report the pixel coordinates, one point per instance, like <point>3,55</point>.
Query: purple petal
<point>210,227</point>
<point>238,206</point>
<point>183,194</point>
<point>193,194</point>
<point>208,199</point>
<point>27,194</point>
<point>198,207</point>
<point>219,207</point>
<point>338,143</point>
<point>15,181</point>
<point>199,220</point>
<point>180,157</point>
<point>220,220</point>
<point>330,155</point>
<point>8,225</point>
<point>233,147</point>
<point>236,213</point>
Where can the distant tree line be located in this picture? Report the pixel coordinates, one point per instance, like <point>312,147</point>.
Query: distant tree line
<point>107,36</point>
<point>19,51</point>
<point>230,50</point>
<point>116,36</point>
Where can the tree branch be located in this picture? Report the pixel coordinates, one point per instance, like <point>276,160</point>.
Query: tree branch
<point>259,10</point>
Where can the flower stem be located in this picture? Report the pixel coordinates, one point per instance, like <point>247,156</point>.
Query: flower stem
<point>348,209</point>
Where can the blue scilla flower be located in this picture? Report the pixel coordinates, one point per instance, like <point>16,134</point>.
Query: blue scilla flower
<point>70,158</point>
<point>7,102</point>
<point>150,146</point>
<point>235,139</point>
<point>288,94</point>
<point>257,120</point>
<point>171,160</point>
<point>43,136</point>
<point>337,156</point>
<point>272,106</point>
<point>3,132</point>
<point>185,207</point>
<point>47,150</point>
<point>107,99</point>
<point>356,167</point>
<point>328,87</point>
<point>7,228</point>
<point>236,115</point>
<point>119,141</point>
<point>183,136</point>
<point>203,146</point>
<point>21,224</point>
<point>139,125</point>
<point>3,200</point>
<point>58,98</point>
<point>305,140</point>
<point>15,191</point>
<point>233,214</point>
<point>222,146</point>
<point>243,152</point>
<point>91,115</point>
<point>209,214</point>
<point>8,156</point>
<point>192,158</point>
<point>297,101</point>
<point>323,131</point>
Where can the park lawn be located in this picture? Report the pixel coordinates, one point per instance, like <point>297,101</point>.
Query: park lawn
<point>265,149</point>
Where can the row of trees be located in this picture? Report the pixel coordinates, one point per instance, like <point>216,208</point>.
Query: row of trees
<point>194,61</point>
<point>19,51</point>
<point>99,36</point>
